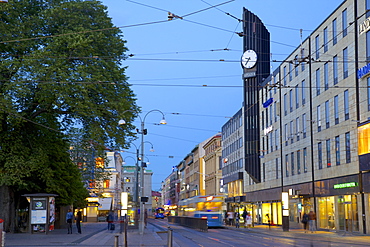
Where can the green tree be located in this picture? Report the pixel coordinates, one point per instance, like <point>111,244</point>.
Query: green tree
<point>61,68</point>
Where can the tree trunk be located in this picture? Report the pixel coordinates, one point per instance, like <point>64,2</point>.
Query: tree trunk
<point>7,208</point>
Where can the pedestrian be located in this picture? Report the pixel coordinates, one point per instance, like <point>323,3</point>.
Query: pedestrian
<point>146,217</point>
<point>312,221</point>
<point>226,218</point>
<point>244,215</point>
<point>305,219</point>
<point>237,219</point>
<point>248,220</point>
<point>78,220</point>
<point>268,220</point>
<point>69,218</point>
<point>230,217</point>
<point>110,219</point>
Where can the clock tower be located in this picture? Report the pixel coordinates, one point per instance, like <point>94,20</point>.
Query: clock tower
<point>255,62</point>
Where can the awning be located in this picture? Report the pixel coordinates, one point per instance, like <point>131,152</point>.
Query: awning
<point>105,203</point>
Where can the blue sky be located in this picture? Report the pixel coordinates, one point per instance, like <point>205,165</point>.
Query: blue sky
<point>172,60</point>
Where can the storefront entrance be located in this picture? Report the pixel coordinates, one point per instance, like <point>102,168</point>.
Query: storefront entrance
<point>338,213</point>
<point>348,213</point>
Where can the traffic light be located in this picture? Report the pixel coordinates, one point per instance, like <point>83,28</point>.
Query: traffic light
<point>145,131</point>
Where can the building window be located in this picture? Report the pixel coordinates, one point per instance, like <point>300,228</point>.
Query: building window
<point>334,31</point>
<point>285,105</point>
<point>318,118</point>
<point>284,71</point>
<point>344,23</point>
<point>305,159</point>
<point>264,172</point>
<point>277,141</point>
<point>345,63</point>
<point>291,132</point>
<point>297,126</point>
<point>298,162</point>
<point>303,92</point>
<point>292,160</point>
<point>304,124</point>
<point>335,70</point>
<point>291,100</point>
<point>276,168</point>
<point>317,46</point>
<point>326,76</point>
<point>319,154</point>
<point>290,72</point>
<point>106,183</point>
<point>275,111</point>
<point>286,134</point>
<point>325,39</point>
<point>296,65</point>
<point>368,45</point>
<point>368,93</point>
<point>346,105</point>
<point>327,114</point>
<point>337,151</point>
<point>318,82</point>
<point>287,165</point>
<point>328,154</point>
<point>296,96</point>
<point>302,62</point>
<point>348,147</point>
<point>271,141</point>
<point>336,110</point>
<point>367,8</point>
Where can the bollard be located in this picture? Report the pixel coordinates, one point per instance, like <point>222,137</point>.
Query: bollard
<point>116,241</point>
<point>169,237</point>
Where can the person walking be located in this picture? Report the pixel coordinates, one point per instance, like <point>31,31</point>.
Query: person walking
<point>304,220</point>
<point>244,215</point>
<point>312,221</point>
<point>230,217</point>
<point>69,218</point>
<point>110,219</point>
<point>237,219</point>
<point>78,221</point>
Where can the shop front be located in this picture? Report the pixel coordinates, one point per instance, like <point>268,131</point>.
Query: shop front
<point>337,204</point>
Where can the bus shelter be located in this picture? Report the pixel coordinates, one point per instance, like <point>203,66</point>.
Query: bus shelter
<point>42,212</point>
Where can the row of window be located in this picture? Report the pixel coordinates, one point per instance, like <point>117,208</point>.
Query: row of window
<point>318,47</point>
<point>232,147</point>
<point>232,167</point>
<point>327,144</point>
<point>231,126</point>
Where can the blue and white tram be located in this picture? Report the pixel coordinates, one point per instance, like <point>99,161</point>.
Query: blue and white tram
<point>206,207</point>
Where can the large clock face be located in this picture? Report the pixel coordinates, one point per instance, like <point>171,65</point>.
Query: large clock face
<point>249,59</point>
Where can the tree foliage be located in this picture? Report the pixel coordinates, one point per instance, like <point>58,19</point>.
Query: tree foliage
<point>61,68</point>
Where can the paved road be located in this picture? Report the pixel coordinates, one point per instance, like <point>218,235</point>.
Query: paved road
<point>96,234</point>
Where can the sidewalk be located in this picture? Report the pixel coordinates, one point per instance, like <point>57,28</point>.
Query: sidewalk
<point>93,234</point>
<point>96,234</point>
<point>299,233</point>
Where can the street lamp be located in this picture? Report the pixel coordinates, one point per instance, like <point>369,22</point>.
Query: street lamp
<point>143,132</point>
<point>136,191</point>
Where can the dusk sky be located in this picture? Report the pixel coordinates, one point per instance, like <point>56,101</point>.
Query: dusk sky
<point>190,68</point>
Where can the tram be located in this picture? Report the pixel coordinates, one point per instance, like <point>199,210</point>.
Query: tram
<point>205,207</point>
<point>159,213</point>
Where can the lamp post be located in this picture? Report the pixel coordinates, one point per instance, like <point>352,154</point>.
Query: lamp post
<point>143,132</point>
<point>136,191</point>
